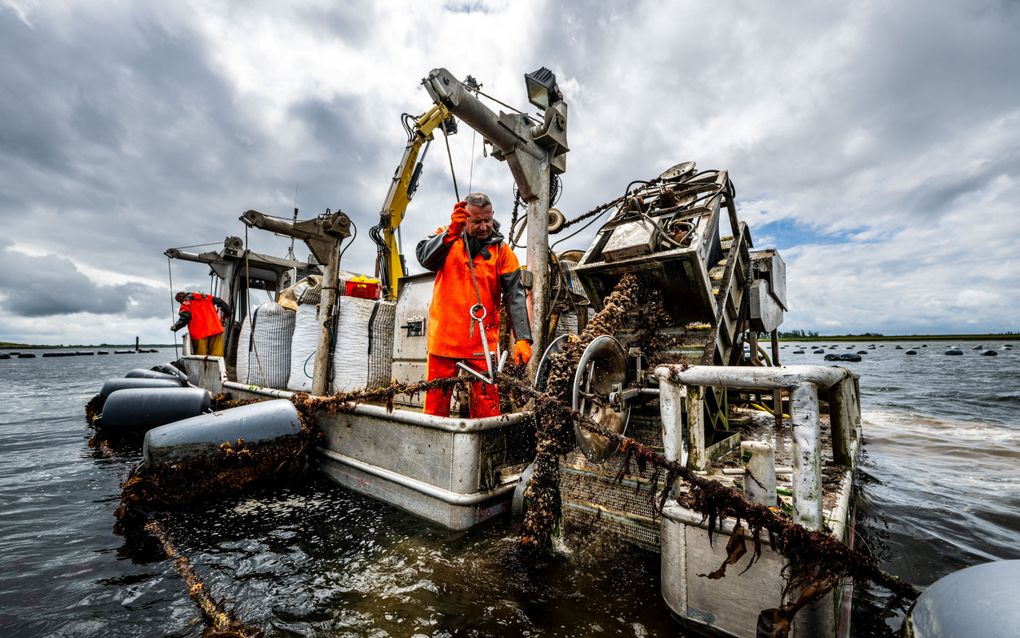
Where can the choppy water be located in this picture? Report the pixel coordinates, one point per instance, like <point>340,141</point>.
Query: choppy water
<point>943,443</point>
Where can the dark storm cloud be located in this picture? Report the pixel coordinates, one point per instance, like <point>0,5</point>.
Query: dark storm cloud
<point>127,127</point>
<point>331,173</point>
<point>121,131</point>
<point>910,80</point>
<point>46,286</point>
<point>109,117</point>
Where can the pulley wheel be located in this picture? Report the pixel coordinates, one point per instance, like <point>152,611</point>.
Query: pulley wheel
<point>573,256</point>
<point>556,220</point>
<point>545,365</point>
<point>601,371</point>
<point>517,502</point>
<point>678,172</point>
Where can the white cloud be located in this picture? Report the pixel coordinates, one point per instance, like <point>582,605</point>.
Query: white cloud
<point>128,128</point>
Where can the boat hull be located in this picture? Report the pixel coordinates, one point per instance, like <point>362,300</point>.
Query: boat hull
<point>455,472</point>
<point>451,471</point>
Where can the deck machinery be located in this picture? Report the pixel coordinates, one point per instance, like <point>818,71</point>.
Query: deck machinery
<point>717,295</point>
<point>668,230</point>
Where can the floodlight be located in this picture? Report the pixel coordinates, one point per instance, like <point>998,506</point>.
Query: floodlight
<point>542,89</point>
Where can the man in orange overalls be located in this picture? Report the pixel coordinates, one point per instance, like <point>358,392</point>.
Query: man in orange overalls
<point>452,334</point>
<point>203,322</point>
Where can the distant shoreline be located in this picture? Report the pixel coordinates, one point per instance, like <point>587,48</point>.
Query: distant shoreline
<point>4,345</point>
<point>981,337</point>
<point>123,346</point>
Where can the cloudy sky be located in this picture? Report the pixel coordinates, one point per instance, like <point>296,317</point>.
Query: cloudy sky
<point>876,144</point>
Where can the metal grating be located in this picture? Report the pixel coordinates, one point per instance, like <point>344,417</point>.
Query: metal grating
<point>380,345</point>
<point>593,499</point>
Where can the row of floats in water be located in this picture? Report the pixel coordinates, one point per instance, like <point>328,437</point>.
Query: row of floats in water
<point>177,418</point>
<point>950,350</point>
<point>71,353</point>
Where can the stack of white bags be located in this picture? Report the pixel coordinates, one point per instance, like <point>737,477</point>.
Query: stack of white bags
<point>277,344</point>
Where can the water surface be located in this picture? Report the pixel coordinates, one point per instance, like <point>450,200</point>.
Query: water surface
<point>942,442</point>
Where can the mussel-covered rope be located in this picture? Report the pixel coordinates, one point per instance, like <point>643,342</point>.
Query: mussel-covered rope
<point>554,435</point>
<point>817,560</point>
<point>716,502</point>
<point>221,623</point>
<point>149,490</point>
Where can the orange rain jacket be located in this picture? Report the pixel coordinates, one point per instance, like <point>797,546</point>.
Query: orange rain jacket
<point>499,275</point>
<point>197,312</point>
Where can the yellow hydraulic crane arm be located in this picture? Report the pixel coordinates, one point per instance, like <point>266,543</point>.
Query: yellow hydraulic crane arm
<point>390,263</point>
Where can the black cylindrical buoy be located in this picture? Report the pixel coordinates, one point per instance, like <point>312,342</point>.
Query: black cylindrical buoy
<point>113,385</point>
<point>142,373</point>
<point>203,435</point>
<point>143,408</point>
<point>167,368</point>
<point>843,357</point>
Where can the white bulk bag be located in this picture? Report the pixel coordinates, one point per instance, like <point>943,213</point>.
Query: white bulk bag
<point>350,355</point>
<point>263,349</point>
<point>302,347</point>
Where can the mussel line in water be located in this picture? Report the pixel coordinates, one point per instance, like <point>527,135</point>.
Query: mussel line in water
<point>817,561</point>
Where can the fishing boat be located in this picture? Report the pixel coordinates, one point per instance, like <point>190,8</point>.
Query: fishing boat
<point>681,372</point>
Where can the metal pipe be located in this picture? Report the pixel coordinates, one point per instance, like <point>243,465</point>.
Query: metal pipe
<point>449,91</point>
<point>446,424</point>
<point>451,498</point>
<point>777,394</point>
<point>807,454</point>
<point>255,389</point>
<point>287,227</point>
<point>760,472</point>
<point>746,378</point>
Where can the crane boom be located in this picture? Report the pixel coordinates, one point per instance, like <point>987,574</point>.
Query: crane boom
<point>390,263</point>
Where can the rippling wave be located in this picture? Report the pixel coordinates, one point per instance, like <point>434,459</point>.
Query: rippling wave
<point>942,452</point>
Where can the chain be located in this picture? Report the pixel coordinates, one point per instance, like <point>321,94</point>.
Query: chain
<point>592,213</point>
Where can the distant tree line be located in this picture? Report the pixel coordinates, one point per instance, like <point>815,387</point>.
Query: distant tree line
<point>797,334</point>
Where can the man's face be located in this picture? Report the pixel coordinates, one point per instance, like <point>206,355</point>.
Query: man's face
<point>479,221</point>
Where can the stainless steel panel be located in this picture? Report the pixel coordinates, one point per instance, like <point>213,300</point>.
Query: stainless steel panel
<point>409,372</point>
<point>411,321</point>
<point>729,605</point>
<point>766,313</point>
<point>420,453</point>
<point>630,240</point>
<point>768,265</point>
<point>417,502</point>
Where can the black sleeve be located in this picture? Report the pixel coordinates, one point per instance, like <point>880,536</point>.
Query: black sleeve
<point>222,305</point>
<point>432,251</point>
<point>516,301</point>
<point>185,319</point>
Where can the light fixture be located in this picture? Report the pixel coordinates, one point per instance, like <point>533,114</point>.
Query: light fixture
<point>542,89</point>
